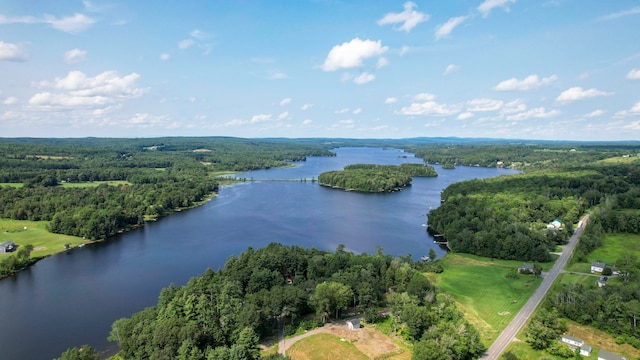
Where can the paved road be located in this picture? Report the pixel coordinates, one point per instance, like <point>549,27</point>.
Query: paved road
<point>509,333</point>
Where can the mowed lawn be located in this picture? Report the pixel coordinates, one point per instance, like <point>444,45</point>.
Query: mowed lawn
<point>484,292</point>
<point>24,232</point>
<point>613,247</point>
<point>324,347</point>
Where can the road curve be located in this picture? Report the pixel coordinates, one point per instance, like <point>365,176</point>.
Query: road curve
<point>509,333</point>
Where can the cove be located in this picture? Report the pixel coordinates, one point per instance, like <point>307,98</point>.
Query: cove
<point>72,298</point>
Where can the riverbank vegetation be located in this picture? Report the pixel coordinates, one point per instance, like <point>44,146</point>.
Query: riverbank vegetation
<point>223,314</point>
<point>375,178</point>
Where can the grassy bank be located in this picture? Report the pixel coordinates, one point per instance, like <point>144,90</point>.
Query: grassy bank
<point>486,290</point>
<point>324,346</point>
<point>24,232</point>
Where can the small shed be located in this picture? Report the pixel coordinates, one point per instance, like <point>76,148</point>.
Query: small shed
<point>555,225</point>
<point>7,246</point>
<point>606,355</point>
<point>597,267</point>
<point>353,324</point>
<point>585,350</point>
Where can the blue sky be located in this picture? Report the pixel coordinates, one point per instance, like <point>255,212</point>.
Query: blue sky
<point>525,69</point>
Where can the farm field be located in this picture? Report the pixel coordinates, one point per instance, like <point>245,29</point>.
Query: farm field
<point>24,232</point>
<point>613,247</point>
<point>468,277</point>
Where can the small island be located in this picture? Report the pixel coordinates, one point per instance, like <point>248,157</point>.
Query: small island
<point>448,166</point>
<point>375,178</point>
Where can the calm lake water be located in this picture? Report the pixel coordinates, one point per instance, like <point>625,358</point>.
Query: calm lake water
<point>72,298</point>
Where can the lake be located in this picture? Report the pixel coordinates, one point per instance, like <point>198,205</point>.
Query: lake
<point>72,298</point>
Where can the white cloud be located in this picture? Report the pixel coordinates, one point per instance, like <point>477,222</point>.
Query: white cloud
<point>146,120</point>
<point>12,52</point>
<point>10,100</point>
<point>307,122</point>
<point>283,115</point>
<point>352,54</point>
<point>200,35</point>
<point>634,74</point>
<point>488,5</point>
<point>364,78</point>
<point>285,101</point>
<point>165,57</point>
<point>409,17</point>
<point>80,91</point>
<point>529,83</point>
<point>276,75</point>
<point>75,56</point>
<point>342,111</point>
<point>357,111</point>
<point>451,68</point>
<point>391,100</point>
<point>186,43</point>
<point>465,115</point>
<point>445,29</point>
<point>260,118</point>
<point>634,111</point>
<point>382,62</point>
<point>578,93</point>
<point>484,105</point>
<point>71,24</point>
<point>635,125</point>
<point>429,108</point>
<point>514,106</point>
<point>536,113</point>
<point>404,49</point>
<point>306,106</point>
<point>619,14</point>
<point>424,97</point>
<point>595,113</point>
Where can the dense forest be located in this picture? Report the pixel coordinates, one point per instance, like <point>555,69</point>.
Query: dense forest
<point>507,217</point>
<point>156,177</point>
<point>375,178</point>
<point>224,314</point>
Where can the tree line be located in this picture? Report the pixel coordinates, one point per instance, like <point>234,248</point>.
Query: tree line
<point>223,314</point>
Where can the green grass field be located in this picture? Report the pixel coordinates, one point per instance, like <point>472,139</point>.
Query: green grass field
<point>35,233</point>
<point>480,286</point>
<point>613,246</point>
<point>95,183</point>
<point>324,346</point>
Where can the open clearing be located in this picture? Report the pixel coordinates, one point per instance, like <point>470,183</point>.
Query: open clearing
<point>613,247</point>
<point>336,341</point>
<point>24,232</point>
<point>468,277</point>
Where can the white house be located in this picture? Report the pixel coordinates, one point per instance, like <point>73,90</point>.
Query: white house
<point>597,267</point>
<point>572,341</point>
<point>555,225</point>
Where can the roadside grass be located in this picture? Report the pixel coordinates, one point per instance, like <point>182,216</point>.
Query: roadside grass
<point>483,291</point>
<point>324,346</point>
<point>613,247</point>
<point>24,232</point>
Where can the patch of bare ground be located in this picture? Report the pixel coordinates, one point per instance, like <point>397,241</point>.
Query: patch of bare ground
<point>371,342</point>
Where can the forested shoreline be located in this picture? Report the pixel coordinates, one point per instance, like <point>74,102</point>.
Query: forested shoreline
<point>373,178</point>
<point>224,314</point>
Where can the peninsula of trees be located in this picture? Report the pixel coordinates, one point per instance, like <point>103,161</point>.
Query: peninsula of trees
<point>375,178</point>
<point>224,314</point>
